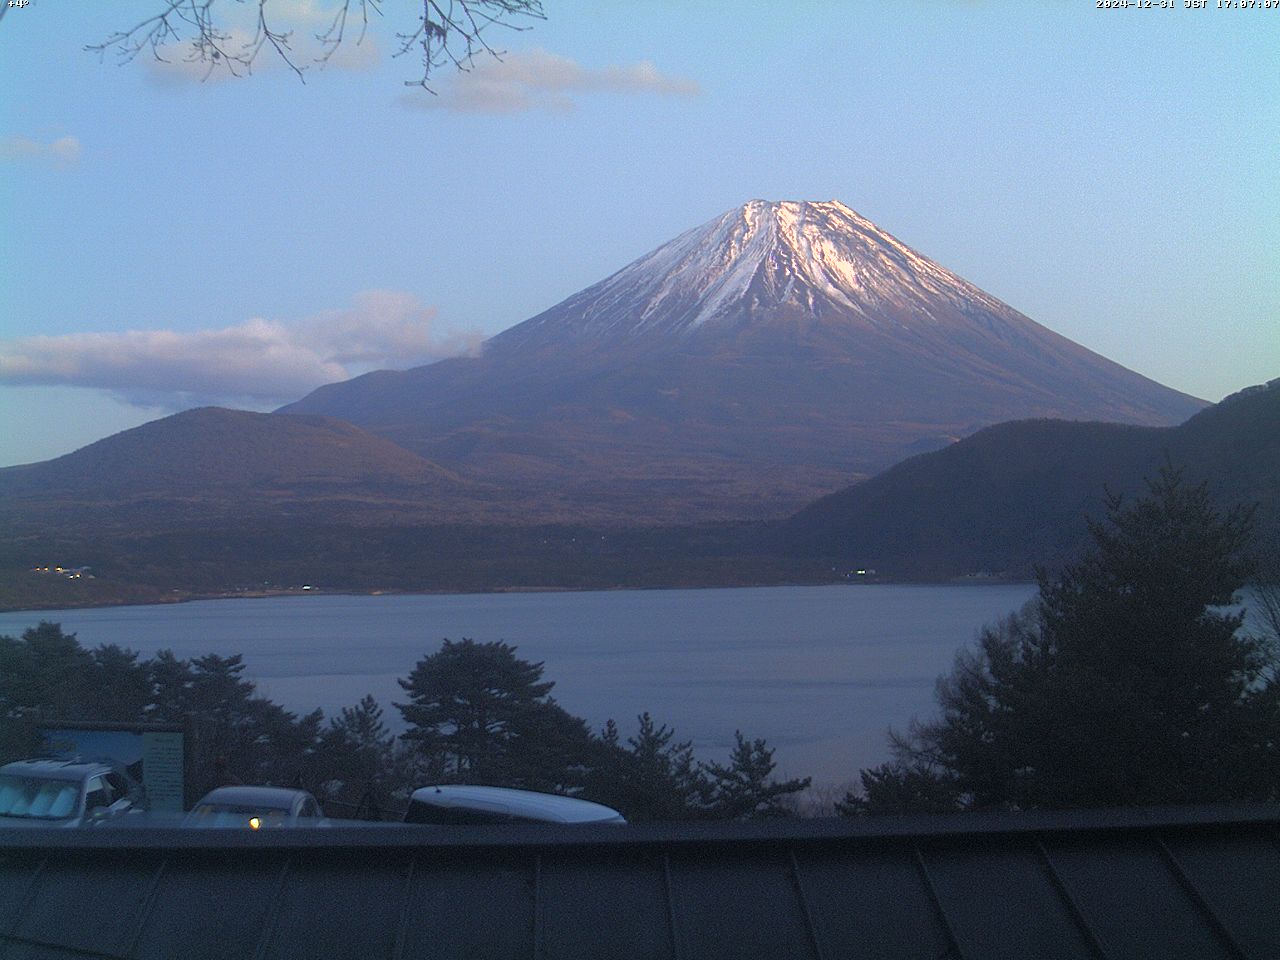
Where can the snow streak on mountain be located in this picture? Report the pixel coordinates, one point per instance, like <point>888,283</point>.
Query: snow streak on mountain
<point>820,258</point>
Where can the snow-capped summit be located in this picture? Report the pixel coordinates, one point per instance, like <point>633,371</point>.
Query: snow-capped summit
<point>820,259</point>
<point>741,369</point>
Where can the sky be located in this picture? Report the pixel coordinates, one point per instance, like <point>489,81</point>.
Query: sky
<point>174,237</point>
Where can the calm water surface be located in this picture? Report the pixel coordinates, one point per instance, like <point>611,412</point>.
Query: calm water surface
<point>820,672</point>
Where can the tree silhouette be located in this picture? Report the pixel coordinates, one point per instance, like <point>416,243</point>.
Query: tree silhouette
<point>1127,681</point>
<point>744,789</point>
<point>652,776</point>
<point>232,732</point>
<point>479,714</point>
<point>355,760</point>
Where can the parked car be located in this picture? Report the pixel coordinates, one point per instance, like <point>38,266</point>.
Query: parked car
<point>66,793</point>
<point>256,808</point>
<point>464,804</point>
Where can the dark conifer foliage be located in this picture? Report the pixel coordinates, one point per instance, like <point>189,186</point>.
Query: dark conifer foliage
<point>479,714</point>
<point>232,733</point>
<point>476,713</point>
<point>1130,680</point>
<point>357,766</point>
<point>902,786</point>
<point>653,776</point>
<point>744,789</point>
<point>44,674</point>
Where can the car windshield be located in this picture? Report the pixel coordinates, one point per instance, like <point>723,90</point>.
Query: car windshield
<point>235,815</point>
<point>37,798</point>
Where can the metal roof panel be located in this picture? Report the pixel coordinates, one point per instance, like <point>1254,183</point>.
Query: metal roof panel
<point>873,906</point>
<point>1132,901</point>
<point>1194,883</point>
<point>214,907</point>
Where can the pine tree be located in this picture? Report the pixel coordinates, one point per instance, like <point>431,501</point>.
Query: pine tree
<point>652,776</point>
<point>479,714</point>
<point>744,789</point>
<point>1128,681</point>
<point>355,758</point>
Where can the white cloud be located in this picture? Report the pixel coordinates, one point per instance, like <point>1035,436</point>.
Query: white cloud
<point>538,80</point>
<point>63,152</point>
<point>315,14</point>
<point>257,361</point>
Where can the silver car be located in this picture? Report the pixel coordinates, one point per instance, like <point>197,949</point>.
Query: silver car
<point>256,808</point>
<point>66,793</point>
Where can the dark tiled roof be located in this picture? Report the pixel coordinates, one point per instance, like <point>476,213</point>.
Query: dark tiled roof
<point>1200,883</point>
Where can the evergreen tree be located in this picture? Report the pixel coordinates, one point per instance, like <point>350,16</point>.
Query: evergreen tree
<point>362,728</point>
<point>1128,681</point>
<point>479,714</point>
<point>653,777</point>
<point>550,750</point>
<point>46,675</point>
<point>745,789</point>
<point>170,687</point>
<point>120,685</point>
<point>356,758</point>
<point>233,734</point>
<point>1265,590</point>
<point>902,787</point>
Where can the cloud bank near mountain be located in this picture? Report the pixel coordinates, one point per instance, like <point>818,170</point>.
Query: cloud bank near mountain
<point>255,362</point>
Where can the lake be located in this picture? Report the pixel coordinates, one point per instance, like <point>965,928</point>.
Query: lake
<point>820,672</point>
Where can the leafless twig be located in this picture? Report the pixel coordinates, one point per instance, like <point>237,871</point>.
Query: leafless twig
<point>332,38</point>
<point>448,32</point>
<point>453,33</point>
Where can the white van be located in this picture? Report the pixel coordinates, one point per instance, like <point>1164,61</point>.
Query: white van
<point>460,804</point>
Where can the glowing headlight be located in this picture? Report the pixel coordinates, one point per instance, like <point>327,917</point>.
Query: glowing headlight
<point>254,823</point>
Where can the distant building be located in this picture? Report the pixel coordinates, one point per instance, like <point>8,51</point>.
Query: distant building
<point>71,573</point>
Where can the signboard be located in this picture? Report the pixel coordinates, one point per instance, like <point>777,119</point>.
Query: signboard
<point>153,754</point>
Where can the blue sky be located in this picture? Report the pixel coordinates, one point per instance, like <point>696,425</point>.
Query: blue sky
<point>1114,174</point>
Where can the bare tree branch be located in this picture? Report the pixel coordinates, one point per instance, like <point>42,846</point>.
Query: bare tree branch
<point>448,33</point>
<point>453,33</point>
<point>278,40</point>
<point>332,38</point>
<point>172,25</point>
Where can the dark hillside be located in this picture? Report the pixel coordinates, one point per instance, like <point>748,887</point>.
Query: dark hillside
<point>1002,501</point>
<point>1016,495</point>
<point>213,464</point>
<point>213,446</point>
<point>1236,445</point>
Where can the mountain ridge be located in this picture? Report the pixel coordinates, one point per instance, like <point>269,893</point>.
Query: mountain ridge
<point>1015,495</point>
<point>213,463</point>
<point>765,253</point>
<point>992,505</point>
<point>764,358</point>
<point>253,447</point>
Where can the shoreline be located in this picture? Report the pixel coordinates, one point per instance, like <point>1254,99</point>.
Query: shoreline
<point>192,597</point>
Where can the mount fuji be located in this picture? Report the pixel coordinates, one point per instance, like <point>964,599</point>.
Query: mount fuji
<point>769,356</point>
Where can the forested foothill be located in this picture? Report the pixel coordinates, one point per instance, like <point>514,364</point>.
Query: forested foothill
<point>1130,679</point>
<point>996,504</point>
<point>1014,497</point>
